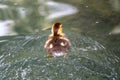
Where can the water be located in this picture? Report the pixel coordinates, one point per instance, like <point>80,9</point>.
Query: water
<point>93,55</point>
<point>23,57</point>
<point>21,14</point>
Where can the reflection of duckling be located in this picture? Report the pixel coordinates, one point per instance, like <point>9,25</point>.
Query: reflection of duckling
<point>57,43</point>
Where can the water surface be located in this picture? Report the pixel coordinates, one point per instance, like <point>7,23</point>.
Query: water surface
<point>93,55</point>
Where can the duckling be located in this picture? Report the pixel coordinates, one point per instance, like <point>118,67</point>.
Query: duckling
<point>57,43</point>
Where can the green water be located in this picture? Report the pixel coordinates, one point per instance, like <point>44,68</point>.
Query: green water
<point>93,55</point>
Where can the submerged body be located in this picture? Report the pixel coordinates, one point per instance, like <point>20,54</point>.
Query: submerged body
<point>57,43</point>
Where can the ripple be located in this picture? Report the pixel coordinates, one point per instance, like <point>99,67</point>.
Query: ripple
<point>27,62</point>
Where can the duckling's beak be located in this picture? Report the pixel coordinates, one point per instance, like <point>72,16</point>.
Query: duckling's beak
<point>56,29</point>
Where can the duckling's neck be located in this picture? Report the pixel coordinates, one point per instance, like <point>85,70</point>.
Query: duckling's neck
<point>55,33</point>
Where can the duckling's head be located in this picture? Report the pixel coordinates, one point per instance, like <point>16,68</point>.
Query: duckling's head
<point>56,29</point>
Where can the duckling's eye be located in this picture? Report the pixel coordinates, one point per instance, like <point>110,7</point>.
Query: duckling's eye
<point>62,44</point>
<point>50,46</point>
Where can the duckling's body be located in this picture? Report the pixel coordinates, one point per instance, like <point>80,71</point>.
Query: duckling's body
<point>57,43</point>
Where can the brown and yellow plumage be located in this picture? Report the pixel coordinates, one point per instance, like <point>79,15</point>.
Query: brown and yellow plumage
<point>57,43</point>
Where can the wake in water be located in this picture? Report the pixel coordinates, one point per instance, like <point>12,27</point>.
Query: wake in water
<point>24,57</point>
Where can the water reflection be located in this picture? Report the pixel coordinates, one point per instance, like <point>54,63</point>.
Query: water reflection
<point>57,9</point>
<point>32,17</point>
<point>115,30</point>
<point>115,4</point>
<point>7,28</point>
<point>3,6</point>
<point>22,12</point>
